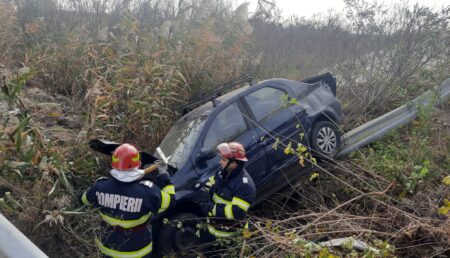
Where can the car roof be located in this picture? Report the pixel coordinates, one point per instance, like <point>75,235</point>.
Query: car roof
<point>206,108</point>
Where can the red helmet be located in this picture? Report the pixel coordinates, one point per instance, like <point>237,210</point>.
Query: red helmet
<point>126,157</point>
<point>232,150</point>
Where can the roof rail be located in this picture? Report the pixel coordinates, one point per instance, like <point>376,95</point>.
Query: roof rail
<point>218,91</point>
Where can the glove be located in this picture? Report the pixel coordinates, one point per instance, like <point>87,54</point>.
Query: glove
<point>162,167</point>
<point>160,176</point>
<point>162,179</point>
<point>206,207</point>
<point>203,195</point>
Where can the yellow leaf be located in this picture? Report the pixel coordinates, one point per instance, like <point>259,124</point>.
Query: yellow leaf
<point>54,114</point>
<point>301,161</point>
<point>36,157</point>
<point>301,148</point>
<point>444,210</point>
<point>402,195</point>
<point>415,123</point>
<point>268,224</point>
<point>98,99</point>
<point>246,233</point>
<point>314,161</point>
<point>288,149</point>
<point>313,176</point>
<point>446,180</point>
<point>446,202</point>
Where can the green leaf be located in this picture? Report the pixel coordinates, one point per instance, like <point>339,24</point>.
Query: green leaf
<point>313,176</point>
<point>55,185</point>
<point>288,149</point>
<point>4,205</point>
<point>12,201</point>
<point>66,183</point>
<point>423,172</point>
<point>275,145</point>
<point>18,140</point>
<point>20,126</point>
<point>302,135</point>
<point>284,100</point>
<point>293,101</point>
<point>29,155</point>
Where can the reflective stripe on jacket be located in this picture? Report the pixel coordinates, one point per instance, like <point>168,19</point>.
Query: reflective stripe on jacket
<point>128,205</point>
<point>232,197</point>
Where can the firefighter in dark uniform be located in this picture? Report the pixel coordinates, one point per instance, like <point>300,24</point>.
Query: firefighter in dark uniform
<point>231,194</point>
<point>126,202</point>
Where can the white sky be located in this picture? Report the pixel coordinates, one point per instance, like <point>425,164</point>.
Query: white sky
<point>308,8</point>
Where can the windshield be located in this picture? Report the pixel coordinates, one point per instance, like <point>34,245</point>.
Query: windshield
<point>180,140</point>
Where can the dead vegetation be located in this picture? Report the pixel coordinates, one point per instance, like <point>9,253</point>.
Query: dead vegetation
<point>120,70</point>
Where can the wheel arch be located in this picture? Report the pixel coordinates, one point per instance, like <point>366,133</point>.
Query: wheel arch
<point>326,116</point>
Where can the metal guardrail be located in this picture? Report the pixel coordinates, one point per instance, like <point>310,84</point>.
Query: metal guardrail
<point>377,128</point>
<point>14,244</point>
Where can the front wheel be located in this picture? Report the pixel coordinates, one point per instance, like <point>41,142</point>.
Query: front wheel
<point>179,235</point>
<point>325,139</point>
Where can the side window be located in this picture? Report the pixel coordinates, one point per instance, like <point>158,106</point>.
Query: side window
<point>264,102</point>
<point>228,123</point>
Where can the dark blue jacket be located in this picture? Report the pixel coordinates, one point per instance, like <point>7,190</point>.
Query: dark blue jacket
<point>125,209</point>
<point>232,197</point>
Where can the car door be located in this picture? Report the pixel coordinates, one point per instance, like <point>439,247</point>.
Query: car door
<point>277,124</point>
<point>230,125</point>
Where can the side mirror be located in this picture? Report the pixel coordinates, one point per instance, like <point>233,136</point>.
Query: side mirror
<point>204,154</point>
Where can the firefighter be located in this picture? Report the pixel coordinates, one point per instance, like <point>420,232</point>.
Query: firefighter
<point>126,202</point>
<point>231,193</point>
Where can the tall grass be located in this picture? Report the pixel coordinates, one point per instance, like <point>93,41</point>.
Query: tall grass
<point>127,67</point>
<point>133,64</point>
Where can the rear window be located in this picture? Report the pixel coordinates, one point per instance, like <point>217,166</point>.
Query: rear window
<point>264,102</point>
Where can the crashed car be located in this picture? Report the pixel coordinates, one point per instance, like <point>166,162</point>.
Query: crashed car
<point>264,117</point>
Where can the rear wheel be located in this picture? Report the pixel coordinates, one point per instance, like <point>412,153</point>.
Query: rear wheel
<point>325,139</point>
<point>179,235</point>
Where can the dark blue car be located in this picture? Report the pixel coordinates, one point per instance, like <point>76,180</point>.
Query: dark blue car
<point>263,116</point>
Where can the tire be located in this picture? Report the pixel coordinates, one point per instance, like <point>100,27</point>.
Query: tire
<point>172,239</point>
<point>325,139</point>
